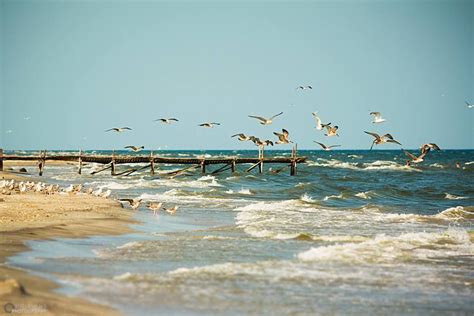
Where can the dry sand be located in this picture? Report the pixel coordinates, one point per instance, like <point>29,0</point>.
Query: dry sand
<point>36,216</point>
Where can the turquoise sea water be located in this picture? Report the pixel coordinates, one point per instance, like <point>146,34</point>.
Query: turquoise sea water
<point>355,232</point>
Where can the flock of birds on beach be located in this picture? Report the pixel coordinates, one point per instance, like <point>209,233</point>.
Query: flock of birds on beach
<point>9,187</point>
<point>284,136</point>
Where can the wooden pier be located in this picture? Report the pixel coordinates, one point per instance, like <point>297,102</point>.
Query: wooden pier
<point>150,161</point>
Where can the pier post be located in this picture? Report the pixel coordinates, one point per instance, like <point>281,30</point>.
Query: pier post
<point>152,164</point>
<point>112,164</point>
<point>260,167</point>
<point>80,162</point>
<point>41,162</point>
<point>293,168</point>
<point>233,166</point>
<point>203,166</point>
<point>1,159</point>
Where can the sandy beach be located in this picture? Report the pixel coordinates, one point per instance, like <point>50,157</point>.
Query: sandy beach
<point>36,216</point>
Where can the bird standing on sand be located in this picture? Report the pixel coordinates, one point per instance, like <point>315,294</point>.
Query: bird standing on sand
<point>209,124</point>
<point>469,105</point>
<point>387,138</point>
<point>155,207</point>
<point>283,137</point>
<point>242,137</point>
<point>167,120</point>
<point>326,148</point>
<point>377,117</point>
<point>135,148</point>
<point>171,210</point>
<point>119,129</point>
<point>266,121</point>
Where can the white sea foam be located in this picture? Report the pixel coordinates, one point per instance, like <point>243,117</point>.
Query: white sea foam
<point>333,197</point>
<point>388,249</point>
<point>363,195</point>
<point>307,198</point>
<point>376,165</point>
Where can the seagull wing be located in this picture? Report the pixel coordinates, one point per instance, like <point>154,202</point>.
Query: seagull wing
<point>376,115</point>
<point>373,134</point>
<point>259,118</point>
<point>285,133</point>
<point>334,146</point>
<point>276,115</point>
<point>393,141</point>
<point>410,155</point>
<point>173,119</point>
<point>128,128</point>
<point>320,144</point>
<point>240,135</point>
<point>112,129</point>
<point>387,136</point>
<point>434,146</point>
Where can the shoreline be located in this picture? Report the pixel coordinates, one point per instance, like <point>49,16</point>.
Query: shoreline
<point>35,216</point>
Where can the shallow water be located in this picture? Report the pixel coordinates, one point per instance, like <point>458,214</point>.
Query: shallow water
<point>355,232</point>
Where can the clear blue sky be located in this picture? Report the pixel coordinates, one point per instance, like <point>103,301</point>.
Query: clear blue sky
<point>76,68</point>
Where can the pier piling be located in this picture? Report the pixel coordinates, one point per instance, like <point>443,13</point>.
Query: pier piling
<point>1,159</point>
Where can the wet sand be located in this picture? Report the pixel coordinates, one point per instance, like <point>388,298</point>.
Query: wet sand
<point>36,216</point>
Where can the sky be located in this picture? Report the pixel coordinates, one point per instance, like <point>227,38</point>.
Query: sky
<point>69,70</point>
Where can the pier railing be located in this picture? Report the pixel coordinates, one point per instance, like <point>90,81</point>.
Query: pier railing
<point>150,161</point>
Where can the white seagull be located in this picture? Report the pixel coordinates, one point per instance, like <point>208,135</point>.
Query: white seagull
<point>154,206</point>
<point>319,125</point>
<point>167,120</point>
<point>377,117</point>
<point>326,148</point>
<point>266,121</point>
<point>283,138</point>
<point>469,105</point>
<point>135,148</point>
<point>209,124</point>
<point>119,129</point>
<point>242,137</point>
<point>171,210</point>
<point>304,88</point>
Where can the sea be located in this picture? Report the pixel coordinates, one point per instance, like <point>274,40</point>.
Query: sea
<point>353,233</point>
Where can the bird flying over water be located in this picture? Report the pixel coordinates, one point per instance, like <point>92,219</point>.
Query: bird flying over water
<point>119,129</point>
<point>242,137</point>
<point>469,105</point>
<point>326,148</point>
<point>266,121</point>
<point>135,148</point>
<point>209,125</point>
<point>332,130</point>
<point>319,125</point>
<point>377,117</point>
<point>283,137</point>
<point>425,149</point>
<point>167,120</point>
<point>387,138</point>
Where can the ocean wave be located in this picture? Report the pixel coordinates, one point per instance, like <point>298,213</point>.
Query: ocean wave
<point>363,195</point>
<point>408,247</point>
<point>307,198</point>
<point>456,213</point>
<point>329,197</point>
<point>376,165</point>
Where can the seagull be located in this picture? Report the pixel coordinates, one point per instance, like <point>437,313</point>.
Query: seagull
<point>242,137</point>
<point>332,131</point>
<point>377,117</point>
<point>171,210</point>
<point>469,105</point>
<point>134,203</point>
<point>260,143</point>
<point>266,121</point>
<point>326,148</point>
<point>135,148</point>
<point>283,138</point>
<point>209,125</point>
<point>387,138</point>
<point>155,207</point>
<point>26,118</point>
<point>425,149</point>
<point>319,126</point>
<point>167,120</point>
<point>119,129</point>
<point>433,146</point>
<point>304,87</point>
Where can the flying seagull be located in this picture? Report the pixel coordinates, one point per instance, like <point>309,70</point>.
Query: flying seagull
<point>283,138</point>
<point>242,137</point>
<point>319,125</point>
<point>260,143</point>
<point>332,131</point>
<point>266,121</point>
<point>387,138</point>
<point>209,125</point>
<point>304,88</point>
<point>425,149</point>
<point>119,129</point>
<point>377,117</point>
<point>167,120</point>
<point>469,105</point>
<point>326,148</point>
<point>135,148</point>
